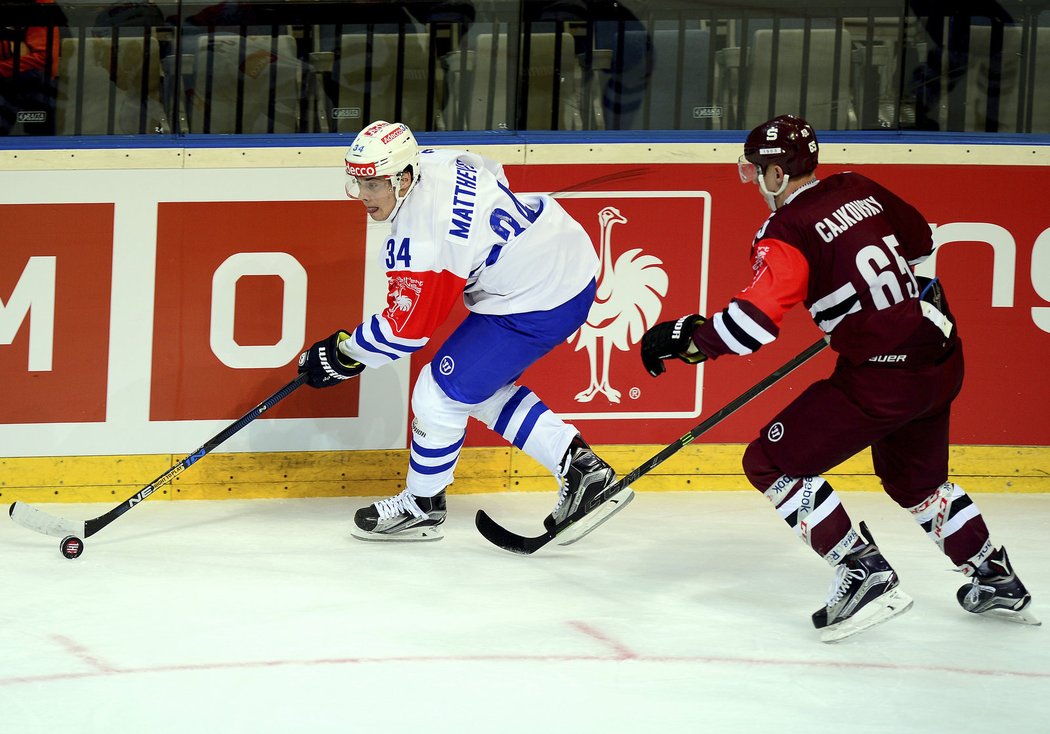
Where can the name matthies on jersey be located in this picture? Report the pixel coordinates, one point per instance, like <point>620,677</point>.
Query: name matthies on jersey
<point>463,208</point>
<point>846,216</point>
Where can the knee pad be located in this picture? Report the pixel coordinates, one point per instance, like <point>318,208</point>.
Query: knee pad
<point>438,419</point>
<point>759,469</point>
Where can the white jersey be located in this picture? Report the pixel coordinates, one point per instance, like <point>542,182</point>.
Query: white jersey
<point>462,231</point>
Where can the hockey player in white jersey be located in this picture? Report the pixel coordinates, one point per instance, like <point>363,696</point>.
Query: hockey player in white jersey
<point>526,272</point>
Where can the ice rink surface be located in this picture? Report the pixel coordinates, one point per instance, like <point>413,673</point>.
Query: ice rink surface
<point>687,612</point>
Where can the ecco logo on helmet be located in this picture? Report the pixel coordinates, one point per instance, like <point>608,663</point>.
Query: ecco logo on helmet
<point>361,170</point>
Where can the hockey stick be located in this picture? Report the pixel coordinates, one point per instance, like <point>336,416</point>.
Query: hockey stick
<point>41,522</point>
<point>498,535</point>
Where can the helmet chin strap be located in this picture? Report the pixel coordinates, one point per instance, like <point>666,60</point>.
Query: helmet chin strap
<point>771,196</point>
<point>399,198</point>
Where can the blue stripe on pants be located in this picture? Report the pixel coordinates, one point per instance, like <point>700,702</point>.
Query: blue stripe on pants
<point>527,425</point>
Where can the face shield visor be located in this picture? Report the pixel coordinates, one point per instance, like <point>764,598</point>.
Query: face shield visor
<point>358,187</point>
<point>748,171</point>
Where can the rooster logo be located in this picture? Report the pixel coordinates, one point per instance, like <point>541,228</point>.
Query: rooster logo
<point>627,303</point>
<point>402,300</point>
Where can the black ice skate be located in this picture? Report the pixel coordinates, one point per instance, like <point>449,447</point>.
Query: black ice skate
<point>863,594</point>
<point>402,517</point>
<point>995,591</point>
<point>584,501</point>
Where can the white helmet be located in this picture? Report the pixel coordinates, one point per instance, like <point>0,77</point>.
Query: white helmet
<point>382,150</point>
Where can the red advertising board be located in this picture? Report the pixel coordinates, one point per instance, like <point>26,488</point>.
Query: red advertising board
<point>240,288</point>
<point>55,274</point>
<point>596,373</point>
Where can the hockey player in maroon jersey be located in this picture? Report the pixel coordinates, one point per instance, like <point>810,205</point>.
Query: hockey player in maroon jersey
<point>845,247</point>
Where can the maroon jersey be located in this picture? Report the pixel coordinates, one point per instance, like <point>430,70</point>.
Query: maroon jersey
<point>845,247</point>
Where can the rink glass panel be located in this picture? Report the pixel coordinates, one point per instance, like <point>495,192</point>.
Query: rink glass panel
<point>311,67</point>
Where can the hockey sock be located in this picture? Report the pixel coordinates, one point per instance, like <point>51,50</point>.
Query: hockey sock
<point>953,521</point>
<point>431,468</point>
<point>810,506</point>
<point>517,414</point>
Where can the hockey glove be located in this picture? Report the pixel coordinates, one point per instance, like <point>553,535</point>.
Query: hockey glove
<point>931,291</point>
<point>326,365</point>
<point>671,339</point>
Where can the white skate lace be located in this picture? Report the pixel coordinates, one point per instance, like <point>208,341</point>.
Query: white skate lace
<point>399,505</point>
<point>563,482</point>
<point>844,577</point>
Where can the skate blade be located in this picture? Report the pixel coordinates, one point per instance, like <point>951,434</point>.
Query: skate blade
<point>430,532</point>
<point>588,523</point>
<point>880,610</point>
<point>1023,616</point>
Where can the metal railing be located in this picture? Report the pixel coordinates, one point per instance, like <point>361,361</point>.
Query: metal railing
<point>323,66</point>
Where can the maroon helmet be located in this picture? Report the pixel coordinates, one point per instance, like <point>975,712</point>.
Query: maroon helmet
<point>786,141</point>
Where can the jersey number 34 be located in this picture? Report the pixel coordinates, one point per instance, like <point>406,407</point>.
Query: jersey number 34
<point>396,253</point>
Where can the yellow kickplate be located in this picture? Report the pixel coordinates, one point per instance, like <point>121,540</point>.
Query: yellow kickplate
<point>701,467</point>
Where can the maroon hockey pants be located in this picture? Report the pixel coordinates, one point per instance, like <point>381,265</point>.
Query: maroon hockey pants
<point>902,413</point>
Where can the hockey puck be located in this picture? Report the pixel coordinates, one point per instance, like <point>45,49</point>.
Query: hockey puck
<point>71,546</point>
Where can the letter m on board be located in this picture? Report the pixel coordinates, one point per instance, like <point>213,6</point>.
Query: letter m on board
<point>33,297</point>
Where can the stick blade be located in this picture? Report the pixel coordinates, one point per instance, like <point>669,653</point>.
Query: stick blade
<point>505,539</point>
<point>44,523</point>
